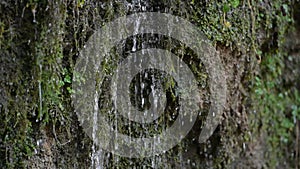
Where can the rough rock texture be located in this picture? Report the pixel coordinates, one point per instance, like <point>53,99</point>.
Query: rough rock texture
<point>259,45</point>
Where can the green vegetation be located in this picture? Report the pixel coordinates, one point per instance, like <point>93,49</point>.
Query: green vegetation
<point>276,113</point>
<point>259,29</point>
<point>276,106</point>
<point>40,41</point>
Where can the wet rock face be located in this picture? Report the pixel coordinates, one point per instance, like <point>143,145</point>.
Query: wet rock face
<point>40,43</point>
<point>292,70</point>
<point>60,142</point>
<point>291,73</point>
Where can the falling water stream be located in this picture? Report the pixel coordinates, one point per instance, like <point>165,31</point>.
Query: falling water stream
<point>150,89</point>
<point>133,84</point>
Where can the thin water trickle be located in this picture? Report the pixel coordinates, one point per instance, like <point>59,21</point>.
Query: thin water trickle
<point>143,99</point>
<point>97,154</point>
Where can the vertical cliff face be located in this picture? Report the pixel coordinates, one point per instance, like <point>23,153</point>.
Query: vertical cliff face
<point>258,44</point>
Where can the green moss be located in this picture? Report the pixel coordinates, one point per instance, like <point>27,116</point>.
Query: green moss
<point>275,105</point>
<point>277,110</point>
<point>33,94</point>
<point>253,28</point>
<point>259,29</point>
